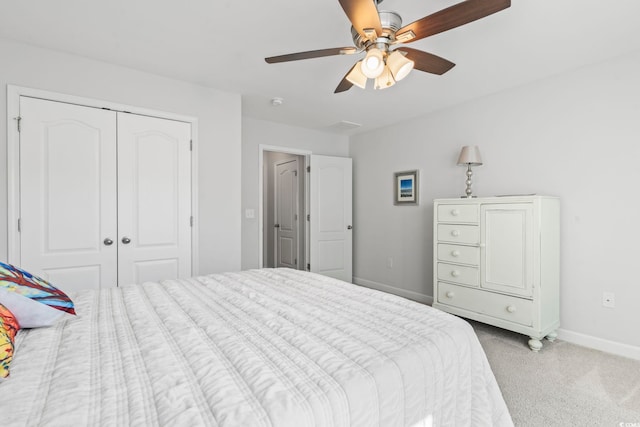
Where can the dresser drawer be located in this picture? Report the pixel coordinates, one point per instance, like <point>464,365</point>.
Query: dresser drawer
<point>458,233</point>
<point>500,306</point>
<point>458,213</point>
<point>459,253</point>
<point>459,274</point>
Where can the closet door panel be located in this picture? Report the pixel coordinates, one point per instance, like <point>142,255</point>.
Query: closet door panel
<point>154,199</point>
<point>68,193</point>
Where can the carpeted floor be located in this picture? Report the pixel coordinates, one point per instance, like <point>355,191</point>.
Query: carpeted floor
<point>564,384</point>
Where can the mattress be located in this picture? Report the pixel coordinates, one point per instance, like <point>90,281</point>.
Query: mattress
<point>269,347</point>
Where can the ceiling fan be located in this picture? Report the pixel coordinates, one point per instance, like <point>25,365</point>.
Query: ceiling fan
<point>379,32</point>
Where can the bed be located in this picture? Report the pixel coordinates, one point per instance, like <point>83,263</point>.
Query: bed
<point>269,347</point>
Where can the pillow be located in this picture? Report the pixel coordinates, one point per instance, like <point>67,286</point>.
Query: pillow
<point>33,301</point>
<point>8,329</point>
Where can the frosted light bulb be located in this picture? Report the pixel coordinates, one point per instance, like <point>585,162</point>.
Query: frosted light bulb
<point>373,63</point>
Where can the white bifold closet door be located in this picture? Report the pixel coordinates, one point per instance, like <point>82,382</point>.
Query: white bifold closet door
<point>105,197</point>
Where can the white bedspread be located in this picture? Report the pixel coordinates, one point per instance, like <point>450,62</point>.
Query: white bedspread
<point>258,348</point>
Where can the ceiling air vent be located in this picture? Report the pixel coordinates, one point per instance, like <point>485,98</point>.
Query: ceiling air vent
<point>344,126</point>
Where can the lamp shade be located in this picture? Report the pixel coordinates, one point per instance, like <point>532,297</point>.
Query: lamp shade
<point>356,77</point>
<point>384,80</point>
<point>470,155</point>
<point>399,65</point>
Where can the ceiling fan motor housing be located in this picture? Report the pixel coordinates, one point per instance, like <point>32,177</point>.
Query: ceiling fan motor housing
<point>390,22</point>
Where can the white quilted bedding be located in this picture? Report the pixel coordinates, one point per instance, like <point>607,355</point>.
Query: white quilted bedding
<point>258,348</point>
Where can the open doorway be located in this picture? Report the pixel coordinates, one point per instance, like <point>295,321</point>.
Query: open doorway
<point>284,206</point>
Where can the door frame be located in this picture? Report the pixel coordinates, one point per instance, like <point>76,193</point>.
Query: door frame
<point>13,158</point>
<point>304,153</point>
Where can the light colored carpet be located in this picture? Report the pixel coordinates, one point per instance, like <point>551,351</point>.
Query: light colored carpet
<point>564,384</point>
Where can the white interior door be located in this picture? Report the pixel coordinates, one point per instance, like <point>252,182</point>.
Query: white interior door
<point>68,194</point>
<point>330,205</point>
<point>286,214</point>
<point>154,199</point>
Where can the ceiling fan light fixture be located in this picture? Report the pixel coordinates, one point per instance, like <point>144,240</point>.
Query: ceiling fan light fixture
<point>399,65</point>
<point>373,64</point>
<point>384,80</point>
<point>377,32</point>
<point>356,77</point>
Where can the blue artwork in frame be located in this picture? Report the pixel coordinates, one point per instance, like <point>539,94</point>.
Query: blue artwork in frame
<point>406,188</point>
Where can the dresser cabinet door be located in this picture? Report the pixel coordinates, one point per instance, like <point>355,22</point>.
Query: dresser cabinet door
<point>507,248</point>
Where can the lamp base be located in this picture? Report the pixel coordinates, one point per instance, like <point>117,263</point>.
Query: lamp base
<point>468,191</point>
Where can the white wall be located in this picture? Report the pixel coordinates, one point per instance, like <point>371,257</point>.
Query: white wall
<point>575,135</point>
<point>219,115</point>
<point>260,132</point>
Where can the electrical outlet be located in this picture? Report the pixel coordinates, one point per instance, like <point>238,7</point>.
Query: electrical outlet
<point>389,262</point>
<point>608,299</point>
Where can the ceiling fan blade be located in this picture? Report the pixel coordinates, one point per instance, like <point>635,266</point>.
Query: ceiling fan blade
<point>427,62</point>
<point>452,17</point>
<point>312,54</point>
<point>345,84</point>
<point>363,15</point>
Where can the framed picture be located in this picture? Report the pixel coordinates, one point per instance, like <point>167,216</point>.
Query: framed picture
<point>406,188</point>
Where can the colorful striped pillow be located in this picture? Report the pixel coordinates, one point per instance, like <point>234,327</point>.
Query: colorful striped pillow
<point>32,300</point>
<point>8,329</point>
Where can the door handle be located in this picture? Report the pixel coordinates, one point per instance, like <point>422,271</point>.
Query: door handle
<point>276,226</point>
<point>349,227</point>
<point>126,240</point>
<point>108,242</point>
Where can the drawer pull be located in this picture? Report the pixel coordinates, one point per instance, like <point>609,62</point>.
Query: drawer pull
<point>455,212</point>
<point>511,309</point>
<point>455,233</point>
<point>455,253</point>
<point>449,294</point>
<point>455,273</point>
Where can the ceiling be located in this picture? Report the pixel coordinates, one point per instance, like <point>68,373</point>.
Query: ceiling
<point>223,43</point>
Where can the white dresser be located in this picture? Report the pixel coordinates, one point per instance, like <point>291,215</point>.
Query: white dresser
<point>497,260</point>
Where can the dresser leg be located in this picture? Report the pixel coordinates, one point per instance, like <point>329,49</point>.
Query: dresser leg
<point>535,344</point>
<point>552,336</point>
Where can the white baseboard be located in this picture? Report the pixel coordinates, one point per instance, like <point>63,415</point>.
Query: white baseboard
<point>613,347</point>
<point>415,296</point>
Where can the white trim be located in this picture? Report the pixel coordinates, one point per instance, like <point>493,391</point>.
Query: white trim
<point>261,149</point>
<point>13,175</point>
<point>613,347</point>
<point>13,159</point>
<point>415,296</point>
<point>195,242</point>
<point>18,91</point>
